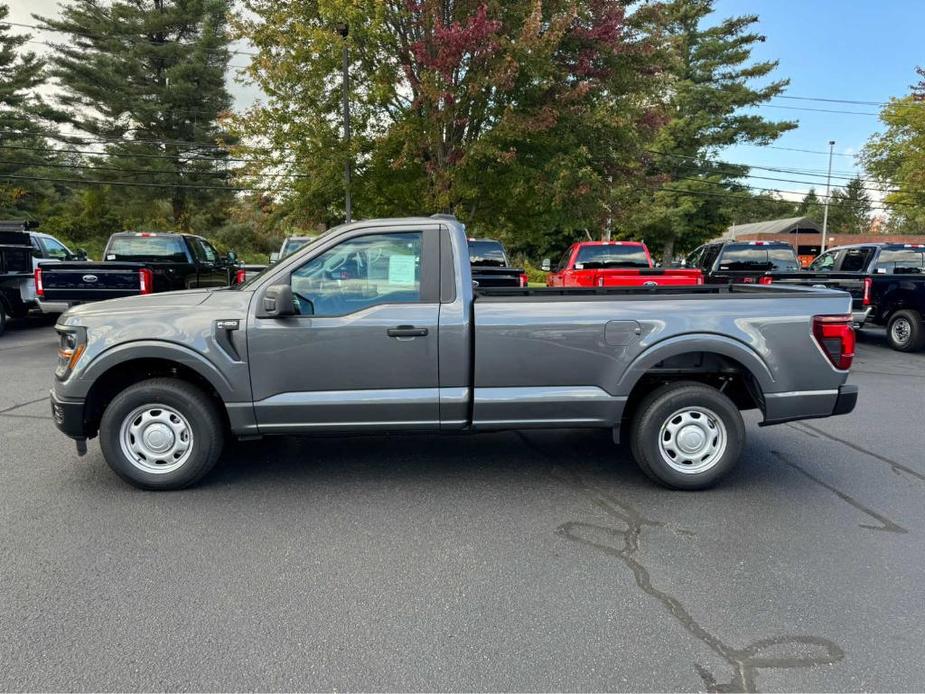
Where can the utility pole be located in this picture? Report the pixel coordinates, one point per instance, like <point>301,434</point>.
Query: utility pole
<point>344,31</point>
<point>828,190</point>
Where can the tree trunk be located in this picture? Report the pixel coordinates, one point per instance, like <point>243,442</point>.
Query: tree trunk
<point>668,250</point>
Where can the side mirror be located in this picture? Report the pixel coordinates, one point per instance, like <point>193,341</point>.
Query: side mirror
<point>274,257</point>
<point>81,254</point>
<point>231,258</point>
<point>277,302</point>
<point>546,266</point>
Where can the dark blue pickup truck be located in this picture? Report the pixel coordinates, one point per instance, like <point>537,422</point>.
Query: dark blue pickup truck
<point>886,282</point>
<point>135,263</point>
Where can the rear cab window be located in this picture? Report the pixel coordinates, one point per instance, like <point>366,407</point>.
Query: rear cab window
<point>759,257</point>
<point>611,256</point>
<point>145,247</point>
<point>487,254</point>
<point>901,261</point>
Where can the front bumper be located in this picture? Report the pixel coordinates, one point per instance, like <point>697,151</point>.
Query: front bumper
<point>69,416</point>
<point>812,404</point>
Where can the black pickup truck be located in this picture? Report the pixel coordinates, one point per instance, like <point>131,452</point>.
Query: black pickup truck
<point>15,269</point>
<point>135,263</point>
<point>742,262</point>
<point>886,282</point>
<point>491,267</point>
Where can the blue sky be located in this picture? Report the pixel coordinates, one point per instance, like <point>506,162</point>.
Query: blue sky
<point>864,50</point>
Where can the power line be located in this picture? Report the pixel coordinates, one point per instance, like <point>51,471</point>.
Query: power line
<point>79,181</point>
<point>820,110</point>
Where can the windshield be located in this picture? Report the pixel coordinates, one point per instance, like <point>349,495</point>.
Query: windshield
<point>132,247</point>
<point>594,257</point>
<point>294,244</point>
<point>487,253</point>
<point>907,260</point>
<point>748,257</point>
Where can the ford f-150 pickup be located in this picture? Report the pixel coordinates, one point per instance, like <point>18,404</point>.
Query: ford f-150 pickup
<point>886,282</point>
<point>136,263</point>
<point>614,264</point>
<point>377,327</point>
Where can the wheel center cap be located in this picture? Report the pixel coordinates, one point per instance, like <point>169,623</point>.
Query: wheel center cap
<point>158,437</point>
<point>691,439</point>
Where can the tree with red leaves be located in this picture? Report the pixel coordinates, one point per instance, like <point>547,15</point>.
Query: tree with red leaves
<point>514,114</point>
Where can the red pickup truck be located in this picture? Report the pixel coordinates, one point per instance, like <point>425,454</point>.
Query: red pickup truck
<point>614,264</point>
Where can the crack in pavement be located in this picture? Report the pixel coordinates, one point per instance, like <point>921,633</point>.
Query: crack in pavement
<point>898,468</point>
<point>778,652</point>
<point>23,404</point>
<point>886,525</point>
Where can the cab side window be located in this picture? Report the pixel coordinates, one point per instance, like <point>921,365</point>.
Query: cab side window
<point>203,251</point>
<point>710,253</point>
<point>563,261</point>
<point>359,273</point>
<point>824,263</point>
<point>55,249</point>
<point>855,259</point>
<point>693,260</point>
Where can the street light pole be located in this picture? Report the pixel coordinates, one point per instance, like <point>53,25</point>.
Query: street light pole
<point>828,190</point>
<point>344,31</point>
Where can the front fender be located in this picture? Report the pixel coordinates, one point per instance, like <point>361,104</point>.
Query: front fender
<point>702,342</point>
<point>152,349</point>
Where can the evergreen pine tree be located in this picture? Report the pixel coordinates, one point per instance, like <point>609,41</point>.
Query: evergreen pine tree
<point>145,79</point>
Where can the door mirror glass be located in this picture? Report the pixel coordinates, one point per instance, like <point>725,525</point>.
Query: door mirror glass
<point>231,258</point>
<point>277,302</point>
<point>546,265</point>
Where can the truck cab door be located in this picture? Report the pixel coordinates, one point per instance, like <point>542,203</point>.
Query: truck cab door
<point>211,269</point>
<point>361,351</point>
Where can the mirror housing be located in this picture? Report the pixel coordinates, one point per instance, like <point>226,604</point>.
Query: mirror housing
<point>274,257</point>
<point>277,302</point>
<point>546,265</point>
<point>231,258</point>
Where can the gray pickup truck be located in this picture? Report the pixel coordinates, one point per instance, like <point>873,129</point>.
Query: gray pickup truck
<point>377,327</point>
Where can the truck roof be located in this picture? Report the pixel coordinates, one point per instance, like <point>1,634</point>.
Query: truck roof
<point>880,244</point>
<point>611,243</point>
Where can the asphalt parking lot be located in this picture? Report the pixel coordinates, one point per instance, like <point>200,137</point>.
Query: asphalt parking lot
<point>535,561</point>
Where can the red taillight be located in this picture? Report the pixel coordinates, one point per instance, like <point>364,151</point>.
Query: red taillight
<point>867,284</point>
<point>524,279</point>
<point>39,285</point>
<point>240,277</point>
<point>836,338</point>
<point>145,280</point>
<point>766,280</point>
<point>748,280</point>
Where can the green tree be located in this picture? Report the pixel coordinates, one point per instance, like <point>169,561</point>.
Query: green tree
<point>811,206</point>
<point>24,122</point>
<point>708,79</point>
<point>515,114</point>
<point>146,80</point>
<point>896,157</point>
<point>850,208</point>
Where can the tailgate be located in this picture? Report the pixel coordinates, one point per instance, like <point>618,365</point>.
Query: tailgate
<point>853,283</point>
<point>654,277</point>
<point>90,281</point>
<point>496,276</point>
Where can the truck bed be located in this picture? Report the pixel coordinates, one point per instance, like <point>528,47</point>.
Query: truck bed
<point>686,291</point>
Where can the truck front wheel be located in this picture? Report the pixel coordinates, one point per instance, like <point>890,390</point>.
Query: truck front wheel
<point>905,331</point>
<point>161,434</point>
<point>687,435</point>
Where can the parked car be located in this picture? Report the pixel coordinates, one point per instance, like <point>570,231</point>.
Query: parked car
<point>15,272</point>
<point>377,327</point>
<point>886,282</point>
<point>23,250</point>
<point>491,267</point>
<point>614,264</point>
<point>135,263</point>
<point>289,246</point>
<point>742,261</point>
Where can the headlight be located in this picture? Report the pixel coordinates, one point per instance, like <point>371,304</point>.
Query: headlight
<point>72,341</point>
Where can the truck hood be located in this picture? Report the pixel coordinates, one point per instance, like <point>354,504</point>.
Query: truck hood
<point>147,303</point>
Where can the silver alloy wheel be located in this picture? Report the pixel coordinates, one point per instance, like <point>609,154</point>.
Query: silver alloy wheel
<point>901,330</point>
<point>156,438</point>
<point>692,440</point>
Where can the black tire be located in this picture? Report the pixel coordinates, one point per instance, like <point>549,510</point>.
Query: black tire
<point>723,435</point>
<point>905,331</point>
<point>187,402</point>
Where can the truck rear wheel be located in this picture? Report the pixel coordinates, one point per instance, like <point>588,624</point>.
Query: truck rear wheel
<point>161,434</point>
<point>687,435</point>
<point>905,331</point>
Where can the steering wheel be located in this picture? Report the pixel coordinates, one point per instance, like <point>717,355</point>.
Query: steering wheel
<point>334,263</point>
